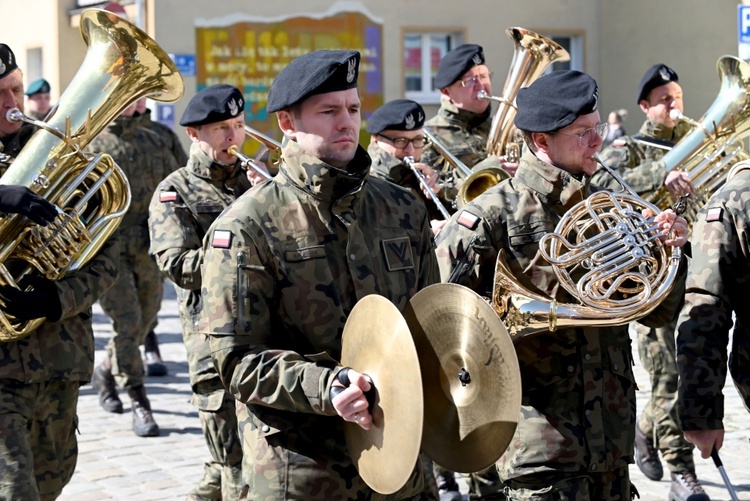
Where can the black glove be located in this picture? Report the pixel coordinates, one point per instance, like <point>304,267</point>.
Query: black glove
<point>21,200</point>
<point>41,301</point>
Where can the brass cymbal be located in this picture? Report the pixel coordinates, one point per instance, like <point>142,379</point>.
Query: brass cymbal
<point>467,425</point>
<point>377,342</point>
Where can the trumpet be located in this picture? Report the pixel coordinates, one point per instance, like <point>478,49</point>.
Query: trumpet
<point>409,160</point>
<point>270,144</point>
<point>247,161</point>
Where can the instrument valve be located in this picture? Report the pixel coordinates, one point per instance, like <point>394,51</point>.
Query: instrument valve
<point>464,377</point>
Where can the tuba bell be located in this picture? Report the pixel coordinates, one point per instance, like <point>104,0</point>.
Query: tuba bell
<point>92,194</point>
<point>708,152</point>
<point>606,254</point>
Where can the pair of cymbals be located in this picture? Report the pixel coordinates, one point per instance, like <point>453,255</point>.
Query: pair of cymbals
<point>447,382</point>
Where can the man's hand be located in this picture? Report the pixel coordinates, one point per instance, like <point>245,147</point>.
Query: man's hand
<point>254,176</point>
<point>351,403</point>
<point>41,301</point>
<point>678,184</point>
<point>21,200</point>
<point>674,228</point>
<point>509,167</point>
<point>430,175</point>
<point>437,225</point>
<point>705,440</point>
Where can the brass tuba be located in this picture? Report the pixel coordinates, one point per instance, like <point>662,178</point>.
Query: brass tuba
<point>122,64</point>
<point>606,254</point>
<point>708,152</point>
<point>533,54</point>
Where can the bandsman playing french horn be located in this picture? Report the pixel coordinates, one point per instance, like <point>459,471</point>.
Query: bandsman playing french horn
<point>575,436</point>
<point>396,144</point>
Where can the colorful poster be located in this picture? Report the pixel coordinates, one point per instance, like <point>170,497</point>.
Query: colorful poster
<point>248,52</point>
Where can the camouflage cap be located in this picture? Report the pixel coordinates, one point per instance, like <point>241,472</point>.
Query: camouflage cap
<point>38,86</point>
<point>215,103</point>
<point>316,72</point>
<point>555,100</point>
<point>7,60</point>
<point>399,114</point>
<point>457,62</point>
<point>656,76</point>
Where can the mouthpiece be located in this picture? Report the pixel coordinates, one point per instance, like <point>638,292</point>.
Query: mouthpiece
<point>14,115</point>
<point>676,115</point>
<point>483,95</point>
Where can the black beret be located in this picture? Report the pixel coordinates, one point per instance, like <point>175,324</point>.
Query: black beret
<point>457,62</point>
<point>555,100</point>
<point>399,114</point>
<point>215,103</point>
<point>39,86</point>
<point>657,75</point>
<point>7,60</point>
<point>316,72</point>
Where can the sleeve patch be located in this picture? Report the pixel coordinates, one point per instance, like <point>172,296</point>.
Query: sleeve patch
<point>221,239</point>
<point>468,220</point>
<point>168,196</point>
<point>714,214</point>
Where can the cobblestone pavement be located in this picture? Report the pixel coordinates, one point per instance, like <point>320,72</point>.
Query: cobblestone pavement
<point>114,464</point>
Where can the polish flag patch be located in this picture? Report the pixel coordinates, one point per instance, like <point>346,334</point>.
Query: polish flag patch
<point>221,239</point>
<point>468,220</point>
<point>167,196</point>
<point>714,214</point>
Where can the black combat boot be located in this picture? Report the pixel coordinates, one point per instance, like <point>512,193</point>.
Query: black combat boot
<point>685,487</point>
<point>154,364</point>
<point>104,383</point>
<point>646,455</point>
<point>448,487</point>
<point>143,421</point>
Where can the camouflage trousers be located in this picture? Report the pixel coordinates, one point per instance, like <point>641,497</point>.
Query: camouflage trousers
<point>222,477</point>
<point>609,485</point>
<point>38,445</point>
<point>133,304</point>
<point>308,463</point>
<point>659,419</point>
<point>484,484</point>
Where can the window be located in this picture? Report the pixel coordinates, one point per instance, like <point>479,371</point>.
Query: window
<point>34,63</point>
<point>422,54</point>
<point>574,45</point>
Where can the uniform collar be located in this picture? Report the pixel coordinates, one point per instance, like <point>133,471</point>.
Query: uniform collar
<point>124,126</point>
<point>464,118</point>
<point>320,179</point>
<point>203,166</point>
<point>551,183</point>
<point>388,165</point>
<point>650,129</point>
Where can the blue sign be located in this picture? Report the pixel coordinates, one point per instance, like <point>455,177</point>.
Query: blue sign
<point>165,114</point>
<point>185,63</point>
<point>743,23</point>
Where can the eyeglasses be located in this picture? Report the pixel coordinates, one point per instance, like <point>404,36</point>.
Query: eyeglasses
<point>586,137</point>
<point>472,81</point>
<point>403,142</point>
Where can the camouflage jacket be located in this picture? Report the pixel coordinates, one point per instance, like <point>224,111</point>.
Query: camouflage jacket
<point>388,167</point>
<point>462,132</point>
<point>169,138</point>
<point>578,390</point>
<point>717,284</point>
<point>286,263</point>
<point>638,163</point>
<point>143,158</point>
<point>62,350</point>
<point>182,209</point>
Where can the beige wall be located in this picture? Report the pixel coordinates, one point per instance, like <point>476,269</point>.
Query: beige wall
<point>622,37</point>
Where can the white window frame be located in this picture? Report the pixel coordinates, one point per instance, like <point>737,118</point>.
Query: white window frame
<point>576,50</point>
<point>428,95</point>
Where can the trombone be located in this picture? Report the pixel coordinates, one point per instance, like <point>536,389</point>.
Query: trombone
<point>270,144</point>
<point>247,161</point>
<point>409,160</point>
<point>447,155</point>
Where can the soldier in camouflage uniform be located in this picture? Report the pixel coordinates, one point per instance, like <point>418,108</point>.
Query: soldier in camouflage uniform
<point>183,207</point>
<point>718,278</point>
<point>283,267</point>
<point>463,122</point>
<point>38,99</point>
<point>396,132</point>
<point>575,435</point>
<point>154,364</point>
<point>637,160</point>
<point>134,301</point>
<point>40,374</point>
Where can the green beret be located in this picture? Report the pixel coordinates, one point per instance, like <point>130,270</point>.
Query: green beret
<point>40,86</point>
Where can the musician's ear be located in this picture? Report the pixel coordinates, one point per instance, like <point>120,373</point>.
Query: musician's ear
<point>192,133</point>
<point>286,123</point>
